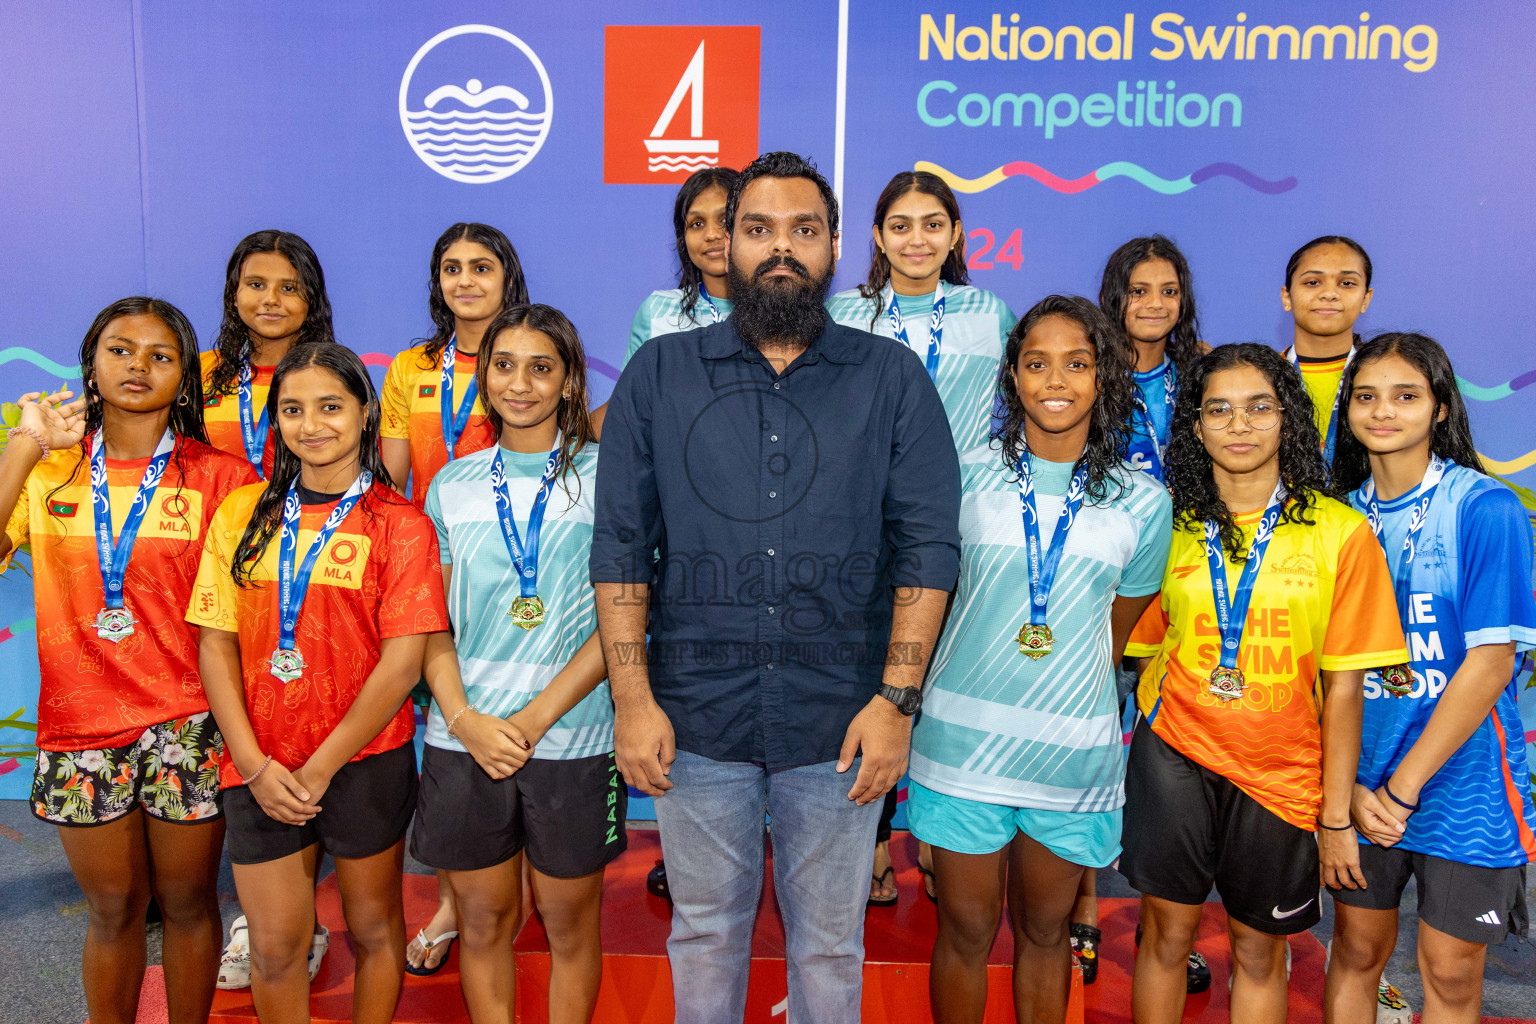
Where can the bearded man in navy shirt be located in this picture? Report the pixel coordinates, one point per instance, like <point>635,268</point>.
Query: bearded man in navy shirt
<point>777,505</point>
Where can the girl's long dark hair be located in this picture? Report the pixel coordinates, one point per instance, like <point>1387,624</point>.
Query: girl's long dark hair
<point>1190,474</point>
<point>233,342</point>
<point>1105,452</point>
<point>929,184</point>
<point>514,289</point>
<point>1450,438</point>
<point>574,417</point>
<point>186,410</point>
<point>689,277</point>
<point>266,519</point>
<point>1114,294</point>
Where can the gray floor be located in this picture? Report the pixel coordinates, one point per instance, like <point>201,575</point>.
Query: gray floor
<point>42,926</point>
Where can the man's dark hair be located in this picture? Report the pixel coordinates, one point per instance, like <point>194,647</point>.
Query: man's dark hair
<point>781,164</point>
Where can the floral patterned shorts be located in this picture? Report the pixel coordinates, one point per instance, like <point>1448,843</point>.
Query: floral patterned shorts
<point>172,771</point>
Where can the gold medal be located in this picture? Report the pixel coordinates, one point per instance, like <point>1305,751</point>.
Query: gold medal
<point>527,612</point>
<point>1227,683</point>
<point>1397,680</point>
<point>1034,640</point>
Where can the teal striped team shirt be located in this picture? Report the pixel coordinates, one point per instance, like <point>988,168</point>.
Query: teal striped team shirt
<point>976,326</point>
<point>505,666</point>
<point>662,313</point>
<point>997,727</point>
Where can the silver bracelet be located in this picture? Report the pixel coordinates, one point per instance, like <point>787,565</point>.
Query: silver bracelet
<point>455,719</point>
<point>263,768</point>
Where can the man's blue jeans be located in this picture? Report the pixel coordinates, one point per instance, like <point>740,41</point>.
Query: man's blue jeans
<point>712,836</point>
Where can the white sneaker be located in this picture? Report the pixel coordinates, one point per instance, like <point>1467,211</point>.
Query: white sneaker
<point>235,962</point>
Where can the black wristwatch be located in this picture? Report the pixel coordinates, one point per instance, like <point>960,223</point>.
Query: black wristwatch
<point>908,699</point>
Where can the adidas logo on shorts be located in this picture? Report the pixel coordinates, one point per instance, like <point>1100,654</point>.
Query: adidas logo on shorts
<point>1491,917</point>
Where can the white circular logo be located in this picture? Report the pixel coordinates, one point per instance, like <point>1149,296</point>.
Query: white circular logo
<point>481,107</point>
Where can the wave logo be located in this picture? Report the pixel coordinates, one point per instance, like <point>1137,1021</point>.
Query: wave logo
<point>490,126</point>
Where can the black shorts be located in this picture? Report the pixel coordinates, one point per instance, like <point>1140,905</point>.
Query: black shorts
<point>1187,828</point>
<point>569,815</point>
<point>365,811</point>
<point>1465,901</point>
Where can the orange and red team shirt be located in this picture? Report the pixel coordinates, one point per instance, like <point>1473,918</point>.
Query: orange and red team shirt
<point>97,694</point>
<point>413,411</point>
<point>221,413</point>
<point>378,577</point>
<point>1323,602</point>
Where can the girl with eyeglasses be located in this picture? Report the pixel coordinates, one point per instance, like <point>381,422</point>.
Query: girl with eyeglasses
<point>1275,603</point>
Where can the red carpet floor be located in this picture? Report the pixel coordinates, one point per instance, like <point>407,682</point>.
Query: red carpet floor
<point>637,984</point>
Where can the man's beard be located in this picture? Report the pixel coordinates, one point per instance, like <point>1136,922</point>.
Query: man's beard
<point>779,311</point>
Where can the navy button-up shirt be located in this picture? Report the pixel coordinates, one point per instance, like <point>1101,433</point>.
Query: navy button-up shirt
<point>772,515</point>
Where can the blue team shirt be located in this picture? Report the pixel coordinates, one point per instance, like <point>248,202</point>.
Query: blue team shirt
<point>1470,585</point>
<point>1154,386</point>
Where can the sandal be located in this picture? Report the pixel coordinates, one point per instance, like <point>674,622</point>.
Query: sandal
<point>1197,973</point>
<point>929,882</point>
<point>656,882</point>
<point>1391,1007</point>
<point>429,945</point>
<point>318,944</point>
<point>1085,939</point>
<point>878,882</point>
<point>235,962</point>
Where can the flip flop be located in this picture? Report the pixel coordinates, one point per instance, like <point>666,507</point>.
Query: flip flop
<point>1085,939</point>
<point>429,945</point>
<point>878,881</point>
<point>928,890</point>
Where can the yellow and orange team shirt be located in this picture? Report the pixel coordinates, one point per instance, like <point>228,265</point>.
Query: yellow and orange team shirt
<point>221,413</point>
<point>1322,378</point>
<point>98,694</point>
<point>1323,601</point>
<point>378,577</point>
<point>413,411</point>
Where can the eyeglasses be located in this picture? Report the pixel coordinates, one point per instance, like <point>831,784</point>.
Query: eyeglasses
<point>1260,415</point>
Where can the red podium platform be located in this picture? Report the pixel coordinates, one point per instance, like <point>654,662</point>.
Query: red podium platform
<point>637,982</point>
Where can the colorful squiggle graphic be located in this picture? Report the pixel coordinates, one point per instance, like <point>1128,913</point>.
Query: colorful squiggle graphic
<point>1117,169</point>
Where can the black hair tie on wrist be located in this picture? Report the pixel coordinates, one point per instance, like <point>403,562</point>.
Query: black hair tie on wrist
<point>1397,799</point>
<point>1335,828</point>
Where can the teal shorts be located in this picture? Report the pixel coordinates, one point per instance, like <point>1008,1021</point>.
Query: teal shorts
<point>1089,838</point>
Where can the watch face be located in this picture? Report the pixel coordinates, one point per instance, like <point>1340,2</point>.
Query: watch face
<point>911,700</point>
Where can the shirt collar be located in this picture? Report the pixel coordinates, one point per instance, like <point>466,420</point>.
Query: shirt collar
<point>834,344</point>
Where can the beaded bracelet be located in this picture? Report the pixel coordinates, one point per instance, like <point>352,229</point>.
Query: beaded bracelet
<point>455,719</point>
<point>263,768</point>
<point>1395,799</point>
<point>34,435</point>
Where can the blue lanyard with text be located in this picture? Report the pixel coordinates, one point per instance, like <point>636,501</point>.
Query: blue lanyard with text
<point>525,557</point>
<point>935,328</point>
<point>1042,567</point>
<point>1157,448</point>
<point>455,422</point>
<point>291,586</point>
<point>1416,521</point>
<point>1232,615</point>
<point>113,559</point>
<point>714,311</point>
<point>252,430</point>
<point>1331,438</point>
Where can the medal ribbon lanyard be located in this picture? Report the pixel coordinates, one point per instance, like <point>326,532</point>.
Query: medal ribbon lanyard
<point>714,311</point>
<point>113,559</point>
<point>291,586</point>
<point>455,422</point>
<point>935,328</point>
<point>1332,437</point>
<point>252,430</point>
<point>1042,569</point>
<point>525,557</point>
<point>1416,523</point>
<point>1159,447</point>
<point>1232,616</point>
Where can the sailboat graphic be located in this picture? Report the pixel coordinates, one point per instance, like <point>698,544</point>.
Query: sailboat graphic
<point>476,132</point>
<point>694,152</point>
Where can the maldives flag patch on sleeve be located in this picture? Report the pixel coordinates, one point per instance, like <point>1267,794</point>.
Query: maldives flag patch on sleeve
<point>426,391</point>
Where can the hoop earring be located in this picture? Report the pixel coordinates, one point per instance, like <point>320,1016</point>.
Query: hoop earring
<point>90,384</point>
<point>183,401</point>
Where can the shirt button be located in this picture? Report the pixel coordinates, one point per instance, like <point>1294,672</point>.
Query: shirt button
<point>770,609</point>
<point>770,666</point>
<point>770,552</point>
<point>775,387</point>
<point>774,437</point>
<point>773,494</point>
